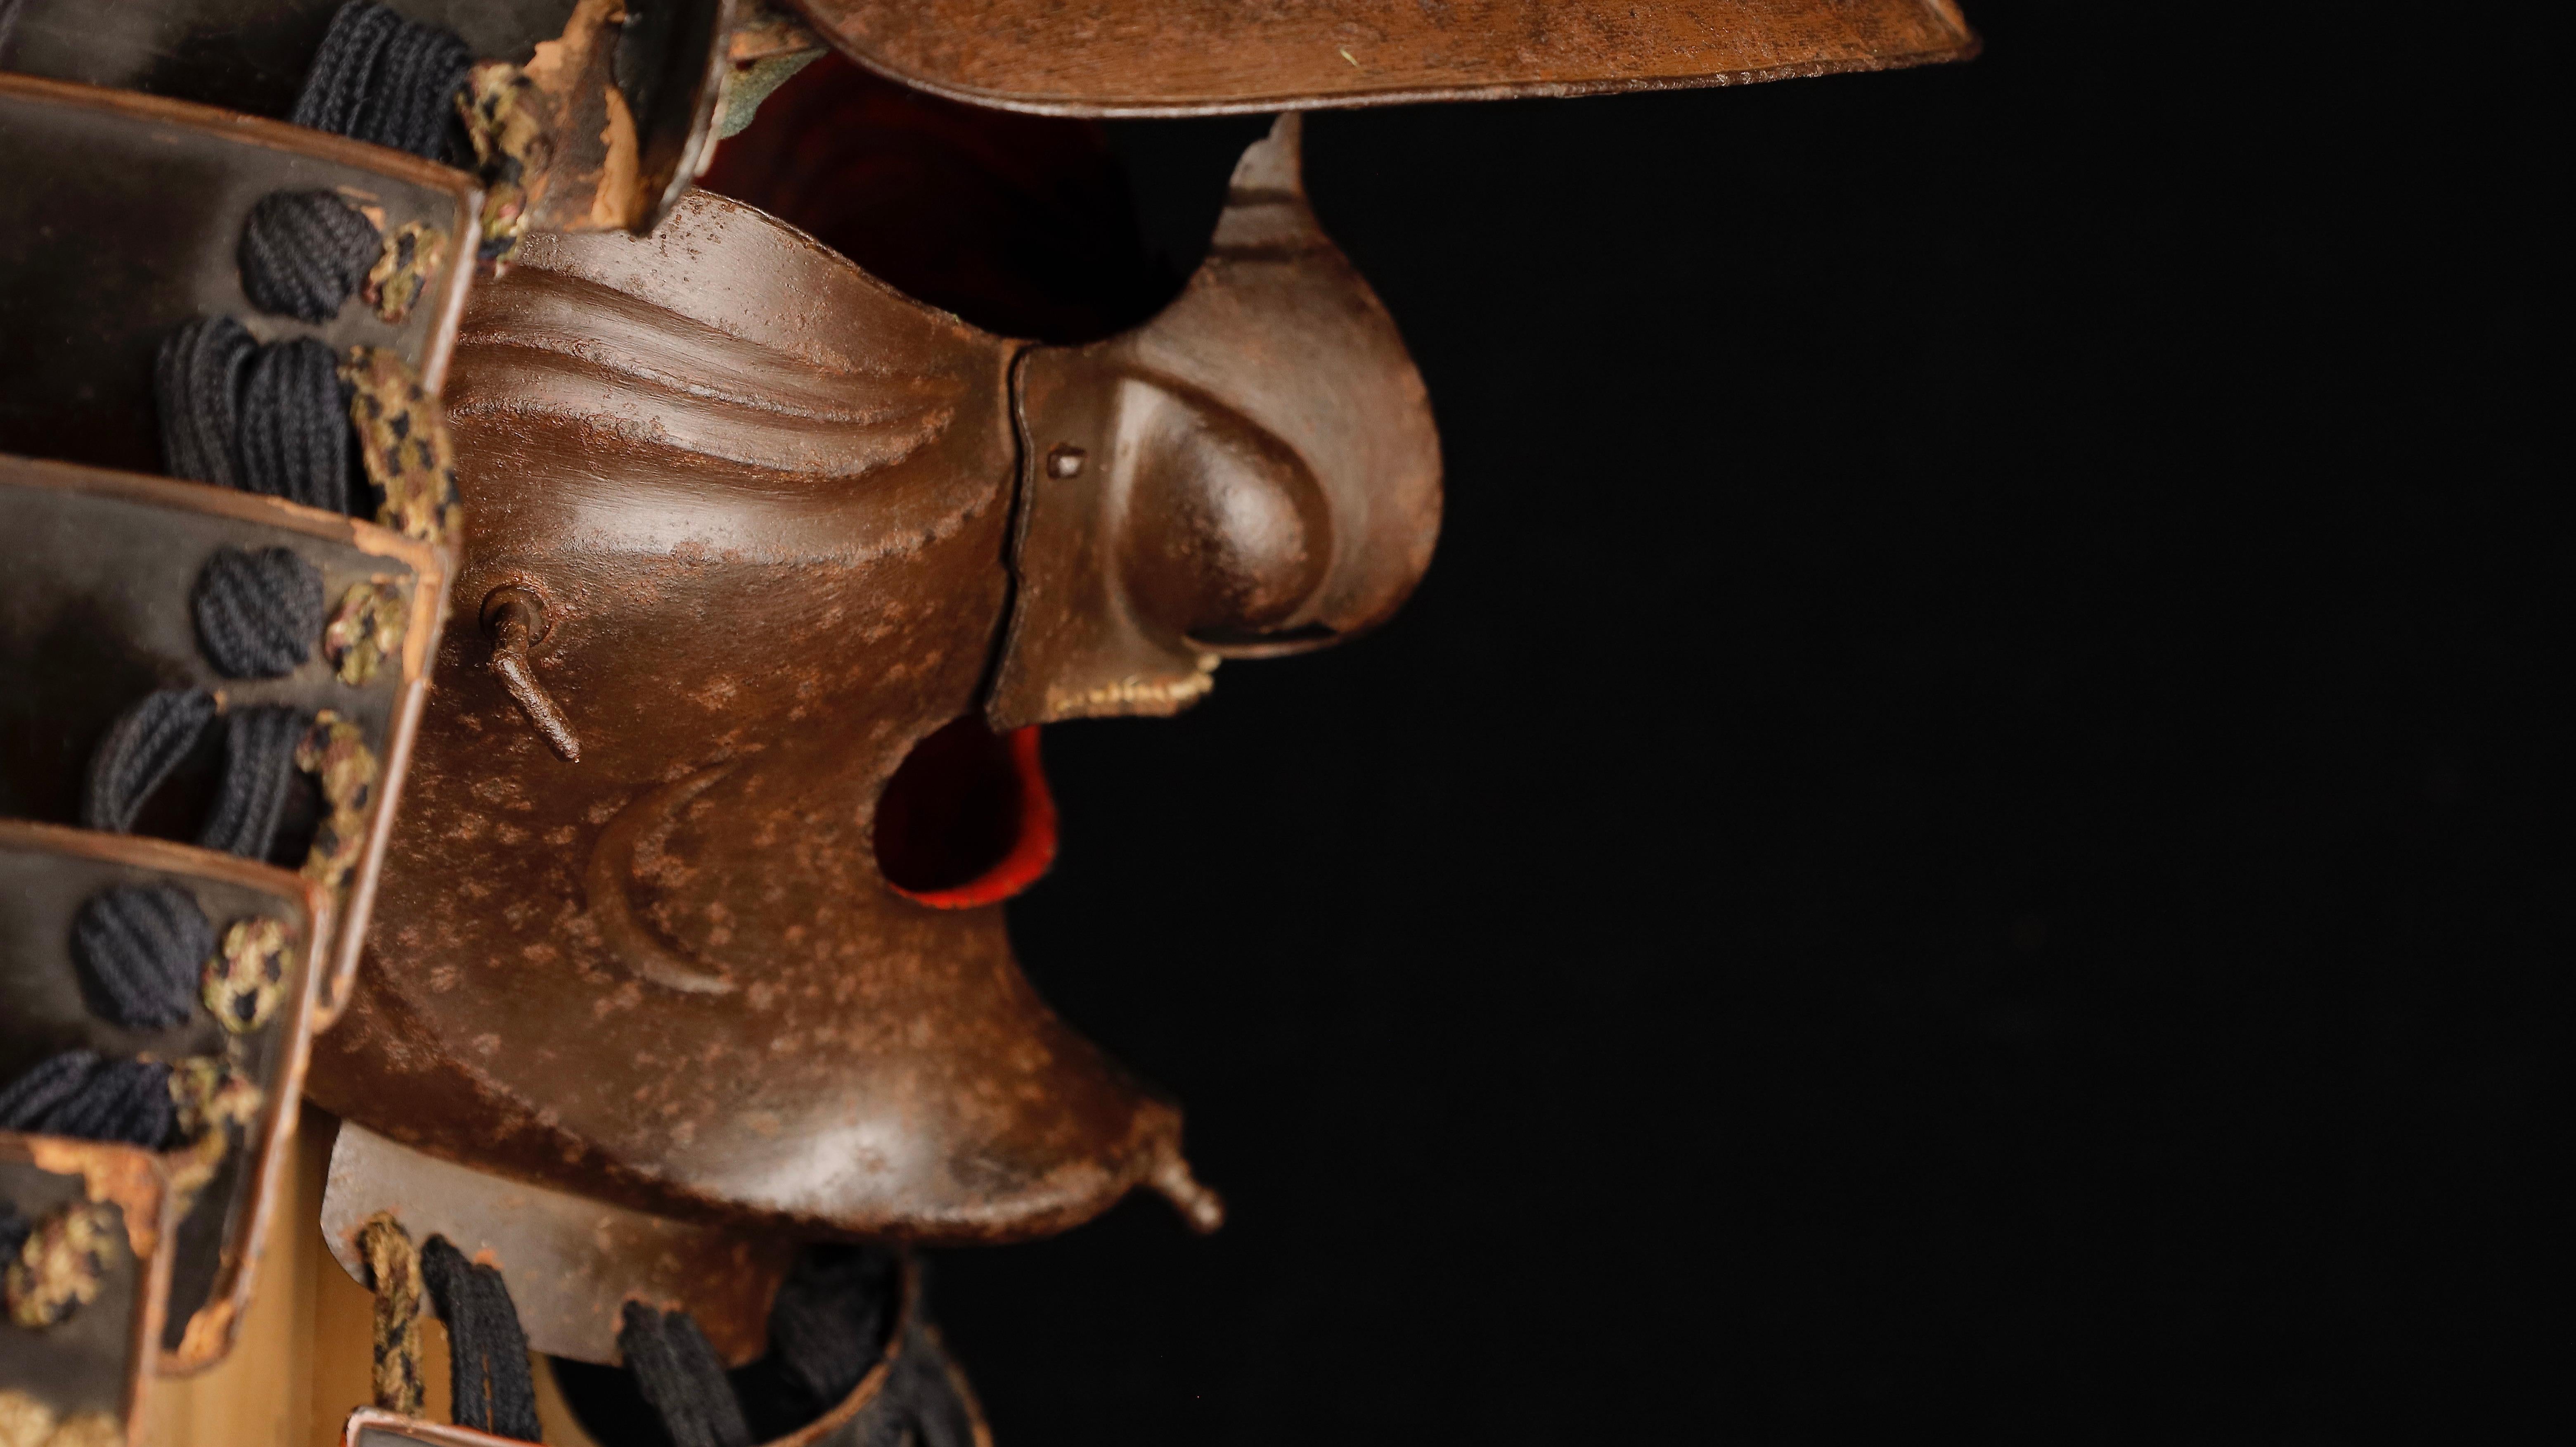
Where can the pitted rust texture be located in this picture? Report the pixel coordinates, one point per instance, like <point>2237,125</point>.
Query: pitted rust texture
<point>1211,57</point>
<point>765,584</point>
<point>366,628</point>
<point>403,441</point>
<point>61,1264</point>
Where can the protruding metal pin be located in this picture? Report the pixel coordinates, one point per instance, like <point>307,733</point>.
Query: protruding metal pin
<point>516,619</point>
<point>1202,1208</point>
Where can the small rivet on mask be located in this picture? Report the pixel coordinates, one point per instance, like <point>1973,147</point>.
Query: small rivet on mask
<point>1066,461</point>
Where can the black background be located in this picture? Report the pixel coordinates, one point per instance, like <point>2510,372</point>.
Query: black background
<point>1969,835</point>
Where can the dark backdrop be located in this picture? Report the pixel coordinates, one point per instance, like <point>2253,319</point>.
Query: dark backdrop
<point>1969,835</point>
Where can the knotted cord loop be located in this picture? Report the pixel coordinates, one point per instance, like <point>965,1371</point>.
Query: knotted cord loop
<point>259,764</point>
<point>258,613</point>
<point>487,1351</point>
<point>139,949</point>
<point>197,379</point>
<point>386,80</point>
<point>268,419</point>
<point>139,751</point>
<point>305,253</point>
<point>292,431</point>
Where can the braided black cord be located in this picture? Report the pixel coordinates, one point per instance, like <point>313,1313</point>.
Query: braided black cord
<point>269,419</point>
<point>305,253</point>
<point>921,1406</point>
<point>293,427</point>
<point>682,1378</point>
<point>259,765</point>
<point>386,80</point>
<point>487,1351</point>
<point>197,379</point>
<point>827,1325</point>
<point>32,1096</point>
<point>126,1102</point>
<point>257,613</point>
<point>139,751</point>
<point>137,949</point>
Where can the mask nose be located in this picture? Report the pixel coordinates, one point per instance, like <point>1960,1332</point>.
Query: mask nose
<point>1227,536</point>
<point>1253,472</point>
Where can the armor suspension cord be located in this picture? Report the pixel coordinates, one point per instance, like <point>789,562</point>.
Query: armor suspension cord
<point>269,419</point>
<point>78,1094</point>
<point>393,1274</point>
<point>384,79</point>
<point>144,746</point>
<point>487,1350</point>
<point>682,1377</point>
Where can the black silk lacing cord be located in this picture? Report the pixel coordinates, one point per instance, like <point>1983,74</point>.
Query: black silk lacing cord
<point>828,1327</point>
<point>79,1094</point>
<point>680,1374</point>
<point>149,742</point>
<point>386,80</point>
<point>487,1351</point>
<point>921,1405</point>
<point>137,949</point>
<point>305,253</point>
<point>267,418</point>
<point>273,418</point>
<point>257,612</point>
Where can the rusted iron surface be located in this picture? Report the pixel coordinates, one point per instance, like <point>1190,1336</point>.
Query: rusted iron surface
<point>1252,472</point>
<point>121,219</point>
<point>220,1198</point>
<point>516,620</point>
<point>96,614</point>
<point>1206,57</point>
<point>626,93</point>
<point>764,501</point>
<point>100,1359</point>
<point>764,505</point>
<point>571,1262</point>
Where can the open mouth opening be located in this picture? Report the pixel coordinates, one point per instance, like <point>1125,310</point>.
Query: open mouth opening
<point>966,820</point>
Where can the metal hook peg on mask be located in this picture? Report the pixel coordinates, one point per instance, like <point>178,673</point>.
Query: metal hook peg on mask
<point>515,620</point>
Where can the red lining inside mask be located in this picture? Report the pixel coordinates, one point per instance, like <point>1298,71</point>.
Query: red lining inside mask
<point>967,820</point>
